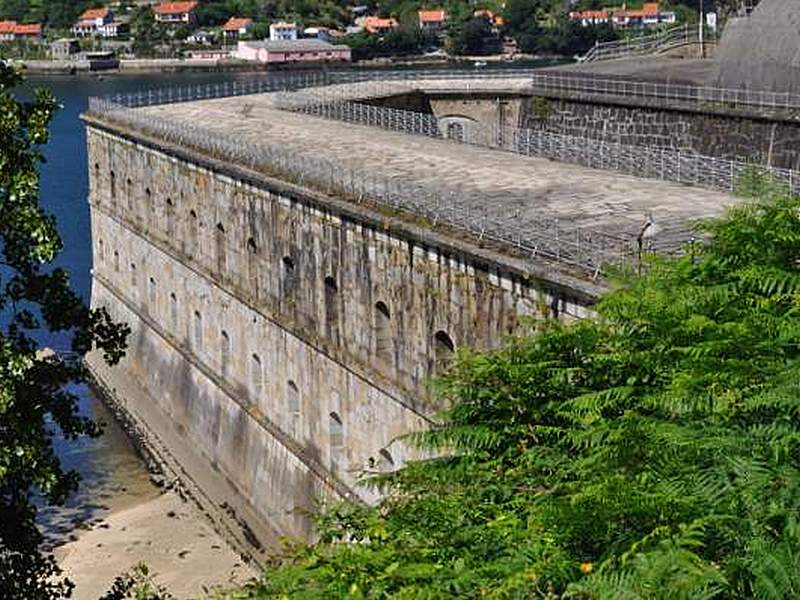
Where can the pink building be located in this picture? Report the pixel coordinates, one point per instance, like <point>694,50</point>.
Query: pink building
<point>292,51</point>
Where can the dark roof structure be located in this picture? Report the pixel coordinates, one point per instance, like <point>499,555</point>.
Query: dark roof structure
<point>762,51</point>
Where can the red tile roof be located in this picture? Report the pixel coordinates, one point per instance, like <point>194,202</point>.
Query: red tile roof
<point>31,29</point>
<point>15,28</point>
<point>375,24</point>
<point>94,13</point>
<point>649,9</point>
<point>432,16</point>
<point>589,14</point>
<point>236,23</point>
<point>175,8</point>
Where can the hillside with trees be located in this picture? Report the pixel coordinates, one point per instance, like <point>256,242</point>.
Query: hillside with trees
<point>536,26</point>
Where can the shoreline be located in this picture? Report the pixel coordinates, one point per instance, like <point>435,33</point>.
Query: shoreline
<point>191,559</point>
<point>133,67</point>
<point>196,556</point>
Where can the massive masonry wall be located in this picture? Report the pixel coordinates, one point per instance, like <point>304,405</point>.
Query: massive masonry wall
<point>774,141</point>
<point>763,137</point>
<point>290,343</point>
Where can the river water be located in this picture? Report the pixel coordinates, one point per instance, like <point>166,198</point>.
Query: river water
<point>113,476</point>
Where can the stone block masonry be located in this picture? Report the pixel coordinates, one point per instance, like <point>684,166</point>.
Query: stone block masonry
<point>764,140</point>
<point>288,342</point>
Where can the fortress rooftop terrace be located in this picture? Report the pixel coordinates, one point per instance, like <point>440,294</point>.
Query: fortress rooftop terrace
<point>581,216</point>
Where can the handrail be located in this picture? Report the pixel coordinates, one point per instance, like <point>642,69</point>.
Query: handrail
<point>667,38</point>
<point>669,91</point>
<point>564,81</point>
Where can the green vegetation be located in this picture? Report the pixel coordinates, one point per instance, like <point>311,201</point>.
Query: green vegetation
<point>59,14</point>
<point>537,26</point>
<point>651,453</point>
<point>35,396</point>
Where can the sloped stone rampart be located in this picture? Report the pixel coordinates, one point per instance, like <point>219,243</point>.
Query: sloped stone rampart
<point>762,51</point>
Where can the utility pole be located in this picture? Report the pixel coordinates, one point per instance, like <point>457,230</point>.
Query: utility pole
<point>702,19</point>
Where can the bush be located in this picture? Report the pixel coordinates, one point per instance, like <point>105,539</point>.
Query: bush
<point>653,452</point>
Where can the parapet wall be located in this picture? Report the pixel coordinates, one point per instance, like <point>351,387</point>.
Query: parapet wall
<point>289,341</point>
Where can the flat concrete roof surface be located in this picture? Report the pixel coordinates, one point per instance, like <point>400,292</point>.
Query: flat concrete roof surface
<point>530,190</point>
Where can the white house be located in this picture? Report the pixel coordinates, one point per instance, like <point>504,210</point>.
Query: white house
<point>176,12</point>
<point>282,31</point>
<point>91,21</point>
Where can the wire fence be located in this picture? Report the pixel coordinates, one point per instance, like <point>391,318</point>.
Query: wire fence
<point>666,164</point>
<point>571,84</point>
<point>332,95</point>
<point>564,242</point>
<point>645,44</point>
<point>592,87</point>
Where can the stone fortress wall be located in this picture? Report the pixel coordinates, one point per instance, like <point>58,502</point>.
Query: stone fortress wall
<point>288,342</point>
<point>762,137</point>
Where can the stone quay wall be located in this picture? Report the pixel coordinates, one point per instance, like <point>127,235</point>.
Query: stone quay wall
<point>288,340</point>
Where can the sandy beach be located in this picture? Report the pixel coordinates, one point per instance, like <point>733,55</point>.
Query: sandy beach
<point>181,550</point>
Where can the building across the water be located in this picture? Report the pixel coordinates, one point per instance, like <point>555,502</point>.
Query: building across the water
<point>281,31</point>
<point>292,51</point>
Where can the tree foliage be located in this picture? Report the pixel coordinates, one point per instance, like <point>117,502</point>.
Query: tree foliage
<point>35,401</point>
<point>650,453</point>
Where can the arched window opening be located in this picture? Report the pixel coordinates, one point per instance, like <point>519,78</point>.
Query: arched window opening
<point>252,265</point>
<point>101,251</point>
<point>170,218</point>
<point>173,311</point>
<point>133,277</point>
<point>385,460</point>
<point>193,231</point>
<point>129,192</point>
<point>225,353</point>
<point>335,432</point>
<point>198,331</point>
<point>331,311</point>
<point>293,406</point>
<point>222,258</point>
<point>289,275</point>
<point>148,205</point>
<point>455,131</point>
<point>116,261</point>
<point>153,295</point>
<point>383,333</point>
<point>554,307</point>
<point>113,181</point>
<point>335,436</point>
<point>256,378</point>
<point>443,351</point>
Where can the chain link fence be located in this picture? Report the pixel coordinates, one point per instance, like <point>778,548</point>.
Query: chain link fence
<point>666,164</point>
<point>333,95</point>
<point>563,242</point>
<point>386,82</point>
